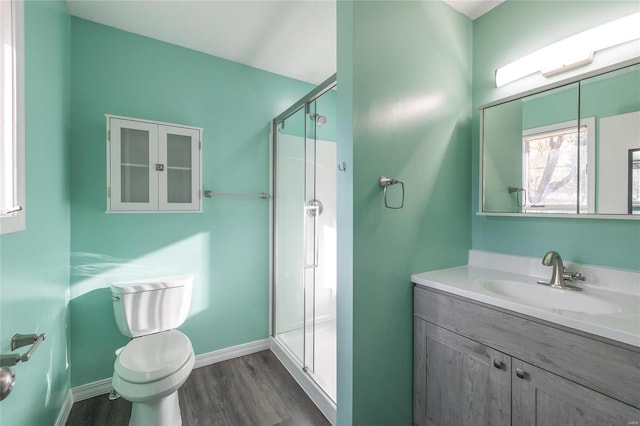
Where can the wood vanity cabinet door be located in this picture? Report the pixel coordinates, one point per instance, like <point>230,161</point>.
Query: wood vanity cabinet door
<point>458,381</point>
<point>542,398</point>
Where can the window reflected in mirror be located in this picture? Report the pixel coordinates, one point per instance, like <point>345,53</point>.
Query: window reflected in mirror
<point>552,175</point>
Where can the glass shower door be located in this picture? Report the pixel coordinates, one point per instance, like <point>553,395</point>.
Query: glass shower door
<point>295,234</point>
<point>321,244</point>
<point>289,231</point>
<point>304,243</point>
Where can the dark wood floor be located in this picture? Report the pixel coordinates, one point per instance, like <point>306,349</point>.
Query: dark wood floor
<point>251,390</point>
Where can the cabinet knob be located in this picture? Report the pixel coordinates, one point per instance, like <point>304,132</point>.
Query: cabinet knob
<point>497,364</point>
<point>520,373</point>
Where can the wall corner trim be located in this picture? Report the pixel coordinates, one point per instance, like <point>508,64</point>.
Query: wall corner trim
<point>65,410</point>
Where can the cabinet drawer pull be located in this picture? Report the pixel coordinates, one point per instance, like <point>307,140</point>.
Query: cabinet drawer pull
<point>520,373</point>
<point>497,364</point>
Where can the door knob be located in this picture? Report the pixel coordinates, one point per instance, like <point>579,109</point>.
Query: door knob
<point>7,380</point>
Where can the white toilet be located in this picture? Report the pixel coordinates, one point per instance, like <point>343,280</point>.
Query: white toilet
<point>158,359</point>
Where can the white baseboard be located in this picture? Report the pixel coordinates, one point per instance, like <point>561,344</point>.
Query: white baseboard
<point>104,386</point>
<point>230,353</point>
<point>82,392</point>
<point>63,415</point>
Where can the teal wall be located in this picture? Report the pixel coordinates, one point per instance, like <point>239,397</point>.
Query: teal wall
<point>344,214</point>
<point>411,95</point>
<point>34,264</point>
<point>499,37</point>
<point>611,94</point>
<point>226,247</point>
<point>502,160</point>
<point>555,106</point>
<point>602,96</point>
<point>327,105</point>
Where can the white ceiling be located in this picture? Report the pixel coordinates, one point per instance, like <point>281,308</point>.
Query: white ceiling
<point>473,8</point>
<point>294,38</point>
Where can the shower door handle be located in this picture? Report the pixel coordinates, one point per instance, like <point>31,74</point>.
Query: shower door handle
<point>311,210</point>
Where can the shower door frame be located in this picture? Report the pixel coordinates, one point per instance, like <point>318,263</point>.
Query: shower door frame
<point>302,376</point>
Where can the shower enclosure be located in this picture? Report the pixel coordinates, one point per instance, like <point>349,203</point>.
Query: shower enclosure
<point>303,255</point>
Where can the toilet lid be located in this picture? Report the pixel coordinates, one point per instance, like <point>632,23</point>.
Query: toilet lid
<point>149,358</point>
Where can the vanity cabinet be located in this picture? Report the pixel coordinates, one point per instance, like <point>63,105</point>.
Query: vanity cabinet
<point>456,382</point>
<point>476,364</point>
<point>152,166</point>
<point>541,398</point>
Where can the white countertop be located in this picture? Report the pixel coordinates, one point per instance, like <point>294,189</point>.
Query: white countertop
<point>620,324</point>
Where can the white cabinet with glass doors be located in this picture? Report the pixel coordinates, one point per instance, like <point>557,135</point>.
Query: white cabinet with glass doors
<point>152,166</point>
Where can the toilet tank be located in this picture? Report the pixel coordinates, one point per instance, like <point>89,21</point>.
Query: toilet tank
<point>150,306</point>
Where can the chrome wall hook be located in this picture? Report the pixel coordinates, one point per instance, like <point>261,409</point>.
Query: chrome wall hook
<point>342,167</point>
<point>385,182</point>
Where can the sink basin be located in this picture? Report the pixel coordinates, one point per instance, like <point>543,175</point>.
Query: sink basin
<point>550,298</point>
<point>608,306</point>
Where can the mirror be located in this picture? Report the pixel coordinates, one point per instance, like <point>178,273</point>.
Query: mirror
<point>633,203</point>
<point>567,150</point>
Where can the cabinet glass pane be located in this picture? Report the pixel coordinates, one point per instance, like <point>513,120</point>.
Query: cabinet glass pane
<point>134,155</point>
<point>134,183</point>
<point>134,145</point>
<point>178,151</point>
<point>179,185</point>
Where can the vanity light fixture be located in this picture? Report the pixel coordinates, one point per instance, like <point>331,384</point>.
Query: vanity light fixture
<point>572,52</point>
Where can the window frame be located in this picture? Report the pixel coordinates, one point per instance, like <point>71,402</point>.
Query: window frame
<point>590,124</point>
<point>15,221</point>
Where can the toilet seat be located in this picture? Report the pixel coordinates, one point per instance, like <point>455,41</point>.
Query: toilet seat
<point>146,392</point>
<point>151,358</point>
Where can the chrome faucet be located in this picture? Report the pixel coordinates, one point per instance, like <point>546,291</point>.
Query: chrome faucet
<point>559,276</point>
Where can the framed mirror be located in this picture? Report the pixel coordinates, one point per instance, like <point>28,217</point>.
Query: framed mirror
<point>566,150</point>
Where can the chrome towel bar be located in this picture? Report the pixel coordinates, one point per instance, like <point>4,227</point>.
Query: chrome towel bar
<point>209,194</point>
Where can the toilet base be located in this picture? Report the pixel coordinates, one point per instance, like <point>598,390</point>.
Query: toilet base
<point>158,412</point>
